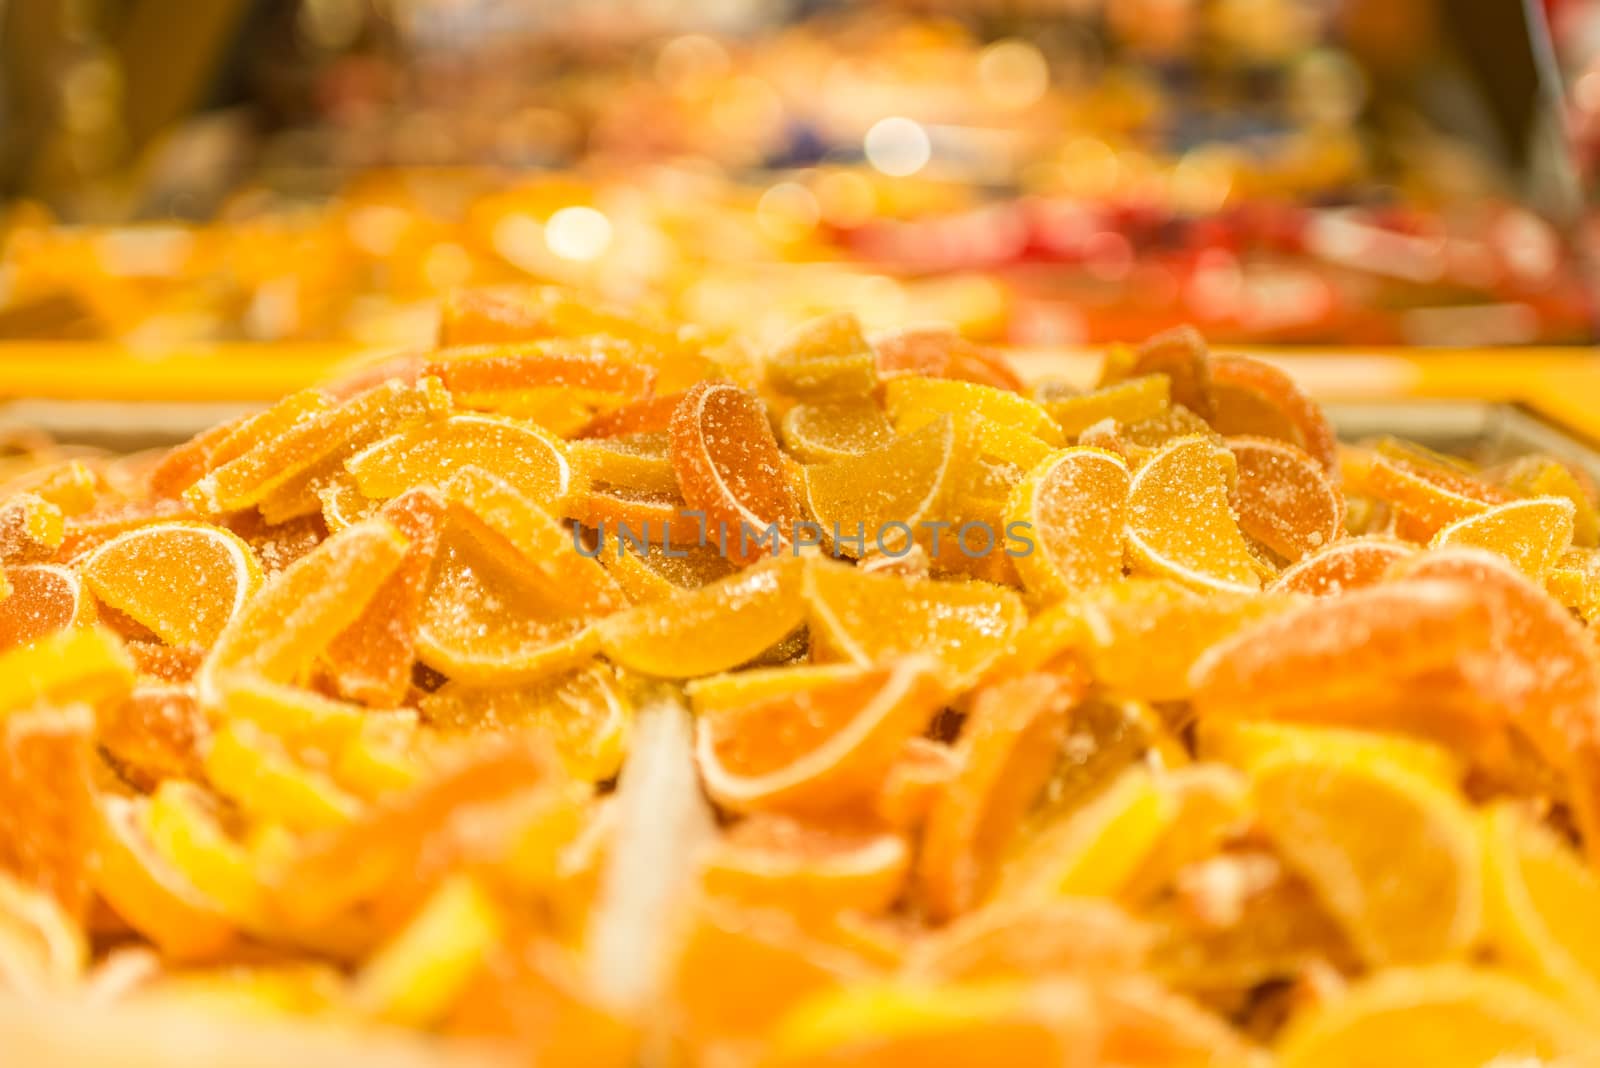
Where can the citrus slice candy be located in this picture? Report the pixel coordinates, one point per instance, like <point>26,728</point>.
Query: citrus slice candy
<point>642,517</point>
<point>429,452</point>
<point>821,746</point>
<point>1074,506</point>
<point>352,864</point>
<point>825,358</point>
<point>530,542</point>
<point>1394,855</point>
<point>1141,638</point>
<point>47,801</point>
<point>1255,398</point>
<point>914,402</point>
<point>1432,494</point>
<point>102,523</point>
<point>819,433</point>
<point>1449,1016</point>
<point>1006,753</point>
<point>1544,902</point>
<point>185,582</point>
<point>154,733</point>
<point>486,625</point>
<point>738,969</point>
<point>1539,671</point>
<point>474,369</point>
<point>774,861</point>
<point>1369,657</point>
<point>416,978</point>
<point>71,485</point>
<point>1285,501</point>
<point>1210,809</point>
<point>182,824</point>
<point>1180,524</point>
<point>1575,582</point>
<point>1027,939</point>
<point>260,774</point>
<point>31,529</point>
<point>80,664</point>
<point>870,618</point>
<point>729,465</point>
<point>370,661</point>
<point>1132,400</point>
<point>888,1022</point>
<point>1532,534</point>
<point>1181,355</point>
<point>273,464</point>
<point>940,352</point>
<point>647,415</point>
<point>1545,476</point>
<point>1246,745</point>
<point>1094,850</point>
<point>714,628</point>
<point>44,599</point>
<point>636,462</point>
<point>285,626</point>
<point>1348,564</point>
<point>583,713</point>
<point>152,895</point>
<point>885,496</point>
<point>661,569</point>
<point>343,503</point>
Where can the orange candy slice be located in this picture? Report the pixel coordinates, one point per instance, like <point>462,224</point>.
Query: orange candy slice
<point>1074,506</point>
<point>31,529</point>
<point>370,661</point>
<point>183,581</point>
<point>1133,400</point>
<point>728,464</point>
<point>1286,502</point>
<point>1531,534</point>
<point>1430,493</point>
<point>47,825</point>
<point>521,453</point>
<point>44,598</point>
<point>485,624</point>
<point>940,352</point>
<point>531,542</point>
<point>820,746</point>
<point>881,499</point>
<point>492,368</point>
<point>870,618</point>
<point>1252,397</point>
<point>714,628</point>
<point>1180,524</point>
<point>272,465</point>
<point>1182,356</point>
<point>824,358</point>
<point>1006,754</point>
<point>1350,564</point>
<point>584,714</point>
<point>809,869</point>
<point>915,402</point>
<point>819,433</point>
<point>282,630</point>
<point>152,895</point>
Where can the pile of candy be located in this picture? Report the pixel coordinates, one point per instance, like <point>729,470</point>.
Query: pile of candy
<point>582,693</point>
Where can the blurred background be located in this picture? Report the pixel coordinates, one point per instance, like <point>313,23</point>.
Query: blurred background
<point>1040,172</point>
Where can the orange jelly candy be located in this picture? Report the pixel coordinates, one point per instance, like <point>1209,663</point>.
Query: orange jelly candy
<point>492,368</point>
<point>728,463</point>
<point>1006,755</point>
<point>1284,499</point>
<point>1350,564</point>
<point>1182,356</point>
<point>884,496</point>
<point>805,868</point>
<point>519,452</point>
<point>44,598</point>
<point>1180,524</point>
<point>1074,508</point>
<point>186,582</point>
<point>1254,398</point>
<point>370,660</point>
<point>822,742</point>
<point>818,433</point>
